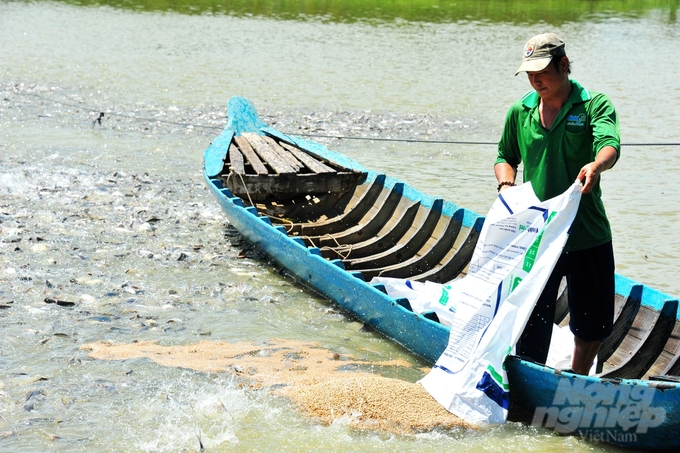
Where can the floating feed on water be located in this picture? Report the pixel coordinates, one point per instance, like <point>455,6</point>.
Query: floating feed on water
<point>307,374</point>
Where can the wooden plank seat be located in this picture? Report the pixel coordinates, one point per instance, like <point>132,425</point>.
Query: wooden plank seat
<point>284,154</point>
<point>418,232</point>
<point>393,230</point>
<point>455,260</point>
<point>359,205</point>
<point>436,247</point>
<point>244,146</point>
<point>263,169</point>
<point>369,225</point>
<point>236,159</point>
<point>644,342</point>
<point>267,154</point>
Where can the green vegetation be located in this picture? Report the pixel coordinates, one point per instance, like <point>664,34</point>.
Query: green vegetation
<point>436,11</point>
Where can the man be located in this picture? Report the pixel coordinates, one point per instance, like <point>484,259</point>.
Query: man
<point>562,132</point>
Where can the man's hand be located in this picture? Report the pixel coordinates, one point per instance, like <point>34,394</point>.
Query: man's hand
<point>591,172</point>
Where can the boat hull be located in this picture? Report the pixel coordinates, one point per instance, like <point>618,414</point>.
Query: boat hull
<point>630,413</point>
<point>637,413</point>
<point>366,302</point>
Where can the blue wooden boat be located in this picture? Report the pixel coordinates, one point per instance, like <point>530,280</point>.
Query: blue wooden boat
<point>335,225</point>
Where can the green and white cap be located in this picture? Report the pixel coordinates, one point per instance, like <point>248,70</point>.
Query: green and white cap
<point>539,51</point>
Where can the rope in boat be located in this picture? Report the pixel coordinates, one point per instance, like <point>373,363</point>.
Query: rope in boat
<point>103,114</point>
<point>290,223</point>
<point>340,247</point>
<point>244,186</point>
<point>348,247</point>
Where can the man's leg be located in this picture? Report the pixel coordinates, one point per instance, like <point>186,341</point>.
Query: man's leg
<point>584,355</point>
<point>591,286</point>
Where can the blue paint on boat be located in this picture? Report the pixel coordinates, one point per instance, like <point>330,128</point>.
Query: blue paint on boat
<point>632,413</point>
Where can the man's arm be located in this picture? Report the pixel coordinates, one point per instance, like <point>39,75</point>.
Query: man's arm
<point>606,139</point>
<point>504,173</point>
<point>604,161</point>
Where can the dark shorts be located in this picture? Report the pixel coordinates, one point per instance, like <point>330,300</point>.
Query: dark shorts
<point>591,292</point>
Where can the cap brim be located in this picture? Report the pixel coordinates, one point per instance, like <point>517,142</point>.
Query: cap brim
<point>538,64</point>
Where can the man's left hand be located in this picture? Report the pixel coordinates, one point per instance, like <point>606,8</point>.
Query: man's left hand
<point>591,172</point>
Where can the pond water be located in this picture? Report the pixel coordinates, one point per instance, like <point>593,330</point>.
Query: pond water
<point>113,215</point>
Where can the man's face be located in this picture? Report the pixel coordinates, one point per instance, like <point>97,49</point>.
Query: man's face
<point>549,80</point>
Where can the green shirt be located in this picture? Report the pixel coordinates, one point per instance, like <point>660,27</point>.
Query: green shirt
<point>554,157</point>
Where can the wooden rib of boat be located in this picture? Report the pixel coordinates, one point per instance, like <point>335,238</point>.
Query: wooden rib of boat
<point>335,225</point>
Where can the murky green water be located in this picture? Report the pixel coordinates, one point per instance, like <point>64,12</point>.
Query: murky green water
<point>116,219</point>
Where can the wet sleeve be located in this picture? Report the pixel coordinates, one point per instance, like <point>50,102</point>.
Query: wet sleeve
<point>605,125</point>
<point>508,146</point>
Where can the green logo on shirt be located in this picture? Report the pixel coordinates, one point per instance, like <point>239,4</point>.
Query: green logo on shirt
<point>576,121</point>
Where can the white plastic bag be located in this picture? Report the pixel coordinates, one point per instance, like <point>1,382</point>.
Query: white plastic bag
<point>519,244</point>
